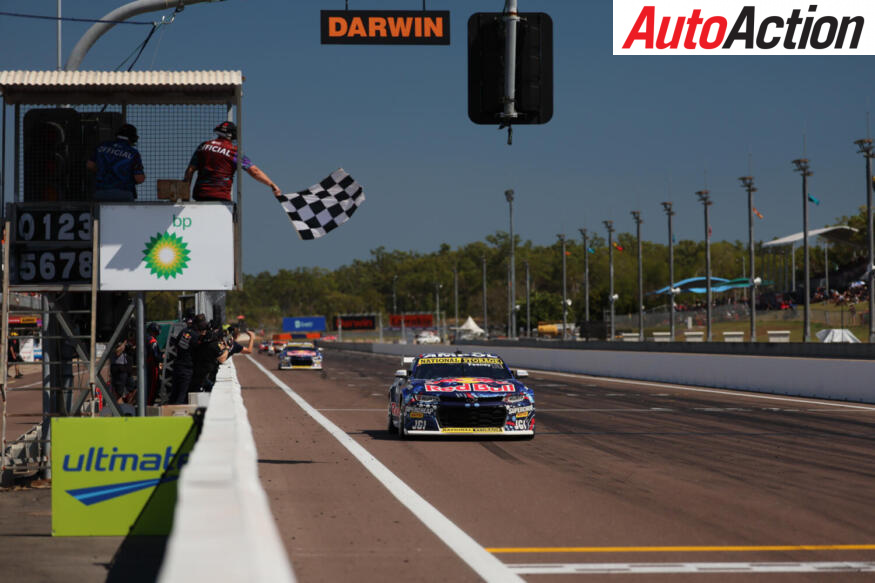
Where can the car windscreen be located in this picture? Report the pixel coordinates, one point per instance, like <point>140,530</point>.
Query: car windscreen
<point>443,367</point>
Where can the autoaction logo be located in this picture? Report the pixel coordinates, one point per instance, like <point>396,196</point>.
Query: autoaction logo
<point>166,255</point>
<point>774,27</point>
<point>97,460</point>
<point>385,27</point>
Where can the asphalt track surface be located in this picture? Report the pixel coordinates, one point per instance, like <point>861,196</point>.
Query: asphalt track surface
<point>625,481</point>
<point>642,481</point>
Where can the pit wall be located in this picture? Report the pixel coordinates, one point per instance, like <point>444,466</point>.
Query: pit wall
<point>223,529</point>
<point>830,377</point>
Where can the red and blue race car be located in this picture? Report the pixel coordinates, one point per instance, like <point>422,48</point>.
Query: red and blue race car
<point>460,394</point>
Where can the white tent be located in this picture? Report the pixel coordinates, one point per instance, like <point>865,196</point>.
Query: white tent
<point>470,329</point>
<point>837,335</point>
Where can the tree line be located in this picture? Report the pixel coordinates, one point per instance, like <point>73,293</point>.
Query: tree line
<point>422,279</point>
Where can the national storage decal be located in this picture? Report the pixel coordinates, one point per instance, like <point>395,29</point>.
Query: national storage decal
<point>385,27</point>
<point>767,27</point>
<point>115,476</point>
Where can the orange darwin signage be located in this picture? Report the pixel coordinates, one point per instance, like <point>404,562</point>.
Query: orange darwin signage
<point>385,27</point>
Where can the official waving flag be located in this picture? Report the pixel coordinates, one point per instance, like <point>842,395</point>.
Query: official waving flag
<point>323,207</point>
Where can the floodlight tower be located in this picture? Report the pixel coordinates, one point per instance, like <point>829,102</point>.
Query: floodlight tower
<point>747,184</point>
<point>865,147</point>
<point>803,167</point>
<point>667,206</point>
<point>609,225</point>
<point>511,313</point>
<point>584,234</point>
<point>637,216</point>
<point>705,199</point>
<point>564,289</point>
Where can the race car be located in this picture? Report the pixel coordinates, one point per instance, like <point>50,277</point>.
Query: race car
<point>460,394</point>
<point>299,355</point>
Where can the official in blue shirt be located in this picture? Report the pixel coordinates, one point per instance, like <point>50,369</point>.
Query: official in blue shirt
<point>118,166</point>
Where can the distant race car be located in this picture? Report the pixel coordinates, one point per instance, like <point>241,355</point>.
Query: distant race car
<point>264,347</point>
<point>460,394</point>
<point>299,355</point>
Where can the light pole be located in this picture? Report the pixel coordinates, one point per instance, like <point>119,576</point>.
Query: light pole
<point>511,315</point>
<point>804,169</point>
<point>865,148</point>
<point>584,234</point>
<point>670,213</point>
<point>705,199</point>
<point>747,184</point>
<point>456,297</point>
<point>485,322</point>
<point>528,303</point>
<point>394,295</point>
<point>437,304</point>
<point>609,225</point>
<point>564,289</point>
<point>637,216</point>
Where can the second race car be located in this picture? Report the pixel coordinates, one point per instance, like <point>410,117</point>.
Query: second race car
<point>299,355</point>
<point>460,394</point>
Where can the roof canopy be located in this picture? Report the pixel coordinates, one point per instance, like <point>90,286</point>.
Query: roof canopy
<point>836,234</point>
<point>133,87</point>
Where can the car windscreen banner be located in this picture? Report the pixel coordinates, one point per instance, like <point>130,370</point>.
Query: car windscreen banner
<point>114,476</point>
<point>364,322</point>
<point>412,321</point>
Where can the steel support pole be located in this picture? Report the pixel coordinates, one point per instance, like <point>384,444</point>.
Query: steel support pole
<point>609,225</point>
<point>865,148</point>
<point>511,314</point>
<point>706,202</point>
<point>871,237</point>
<point>747,183</point>
<point>804,168</point>
<point>584,234</point>
<point>638,221</point>
<point>456,298</point>
<point>564,292</point>
<point>528,303</point>
<point>671,308</point>
<point>485,304</point>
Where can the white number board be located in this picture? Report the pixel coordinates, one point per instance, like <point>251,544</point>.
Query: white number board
<point>166,247</point>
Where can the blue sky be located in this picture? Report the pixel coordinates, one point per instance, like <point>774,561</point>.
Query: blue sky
<point>627,132</point>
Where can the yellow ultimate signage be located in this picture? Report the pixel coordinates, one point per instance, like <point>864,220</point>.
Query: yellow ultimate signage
<point>117,476</point>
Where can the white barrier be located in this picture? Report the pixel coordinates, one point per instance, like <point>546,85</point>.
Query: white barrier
<point>223,529</point>
<point>825,378</point>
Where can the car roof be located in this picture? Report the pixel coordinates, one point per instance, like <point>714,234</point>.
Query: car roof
<point>459,354</point>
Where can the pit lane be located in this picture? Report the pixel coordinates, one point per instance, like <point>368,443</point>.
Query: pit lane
<point>620,474</point>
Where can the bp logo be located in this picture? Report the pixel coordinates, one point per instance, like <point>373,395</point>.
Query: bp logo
<point>166,255</point>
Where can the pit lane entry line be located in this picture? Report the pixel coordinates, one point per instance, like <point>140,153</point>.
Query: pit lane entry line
<point>487,566</point>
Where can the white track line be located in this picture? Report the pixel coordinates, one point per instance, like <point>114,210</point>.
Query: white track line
<point>700,568</point>
<point>479,559</point>
<point>735,393</point>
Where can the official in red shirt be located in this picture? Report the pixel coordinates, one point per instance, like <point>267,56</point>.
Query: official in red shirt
<point>215,162</point>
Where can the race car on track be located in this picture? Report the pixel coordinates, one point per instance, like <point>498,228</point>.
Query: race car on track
<point>299,355</point>
<point>460,394</point>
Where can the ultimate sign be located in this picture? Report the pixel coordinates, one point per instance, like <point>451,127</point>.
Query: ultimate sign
<point>749,32</point>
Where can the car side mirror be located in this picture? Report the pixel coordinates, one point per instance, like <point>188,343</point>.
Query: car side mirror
<point>401,373</point>
<point>521,373</point>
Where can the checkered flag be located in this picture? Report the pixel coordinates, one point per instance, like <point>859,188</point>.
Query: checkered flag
<point>323,207</point>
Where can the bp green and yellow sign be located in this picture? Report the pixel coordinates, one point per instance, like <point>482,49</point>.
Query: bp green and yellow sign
<point>117,476</point>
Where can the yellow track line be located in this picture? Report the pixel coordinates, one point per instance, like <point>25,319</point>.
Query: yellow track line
<point>686,549</point>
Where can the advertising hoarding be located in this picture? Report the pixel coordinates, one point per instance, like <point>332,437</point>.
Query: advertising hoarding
<point>117,475</point>
<point>304,324</point>
<point>166,247</point>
